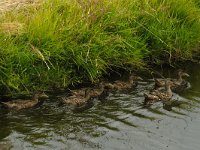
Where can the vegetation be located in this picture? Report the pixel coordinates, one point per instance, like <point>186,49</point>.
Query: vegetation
<point>61,42</point>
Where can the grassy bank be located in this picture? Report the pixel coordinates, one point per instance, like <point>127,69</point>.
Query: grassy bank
<point>60,42</point>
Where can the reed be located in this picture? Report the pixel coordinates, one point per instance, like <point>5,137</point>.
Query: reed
<point>61,42</point>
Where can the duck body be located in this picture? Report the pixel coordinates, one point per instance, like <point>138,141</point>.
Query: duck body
<point>159,94</point>
<point>22,104</point>
<point>122,85</point>
<point>177,85</point>
<point>95,92</point>
<point>77,100</point>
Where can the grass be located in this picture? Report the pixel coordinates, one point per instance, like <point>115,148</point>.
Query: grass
<point>62,42</point>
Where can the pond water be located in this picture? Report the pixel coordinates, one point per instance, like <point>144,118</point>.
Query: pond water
<point>120,123</point>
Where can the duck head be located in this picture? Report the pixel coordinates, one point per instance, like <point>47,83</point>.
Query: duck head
<point>182,74</point>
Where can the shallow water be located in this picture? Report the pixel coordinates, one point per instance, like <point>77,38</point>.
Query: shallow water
<point>120,123</point>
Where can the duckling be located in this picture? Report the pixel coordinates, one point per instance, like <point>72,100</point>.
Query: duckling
<point>77,100</point>
<point>177,85</point>
<point>121,85</point>
<point>159,95</point>
<point>22,104</point>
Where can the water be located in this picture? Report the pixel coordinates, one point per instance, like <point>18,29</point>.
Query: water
<point>120,123</point>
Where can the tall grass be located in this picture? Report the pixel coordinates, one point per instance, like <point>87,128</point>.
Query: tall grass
<point>61,42</point>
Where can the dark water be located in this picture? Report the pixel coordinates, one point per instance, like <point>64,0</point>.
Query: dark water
<point>120,123</point>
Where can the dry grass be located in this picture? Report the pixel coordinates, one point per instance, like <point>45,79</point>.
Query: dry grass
<point>7,5</point>
<point>11,27</point>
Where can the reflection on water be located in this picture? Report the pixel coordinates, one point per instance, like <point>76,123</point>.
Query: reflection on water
<point>122,122</point>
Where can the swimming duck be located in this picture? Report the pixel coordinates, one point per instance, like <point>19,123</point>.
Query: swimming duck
<point>177,85</point>
<point>121,85</point>
<point>95,92</point>
<point>78,92</point>
<point>77,100</point>
<point>159,94</point>
<point>38,98</point>
<point>102,91</point>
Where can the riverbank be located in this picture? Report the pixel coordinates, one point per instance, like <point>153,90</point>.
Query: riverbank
<point>57,43</point>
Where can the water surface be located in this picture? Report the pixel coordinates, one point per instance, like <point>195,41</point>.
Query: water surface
<point>120,123</point>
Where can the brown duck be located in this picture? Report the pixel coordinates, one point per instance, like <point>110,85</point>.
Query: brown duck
<point>78,92</point>
<point>99,91</point>
<point>121,85</point>
<point>77,100</point>
<point>177,85</point>
<point>95,92</point>
<point>22,104</point>
<point>159,95</point>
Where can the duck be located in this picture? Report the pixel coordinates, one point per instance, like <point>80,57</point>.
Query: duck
<point>163,95</point>
<point>121,85</point>
<point>77,100</point>
<point>38,98</point>
<point>102,91</point>
<point>78,92</point>
<point>177,85</point>
<point>95,92</point>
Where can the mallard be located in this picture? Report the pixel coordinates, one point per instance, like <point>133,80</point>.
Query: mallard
<point>94,92</point>
<point>121,85</point>
<point>77,100</point>
<point>97,92</point>
<point>78,92</point>
<point>176,84</point>
<point>159,95</point>
<point>22,104</point>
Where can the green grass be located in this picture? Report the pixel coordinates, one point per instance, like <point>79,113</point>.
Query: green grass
<point>63,42</point>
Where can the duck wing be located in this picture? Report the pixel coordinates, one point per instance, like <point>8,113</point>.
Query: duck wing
<point>161,93</point>
<point>74,100</point>
<point>180,87</point>
<point>150,96</point>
